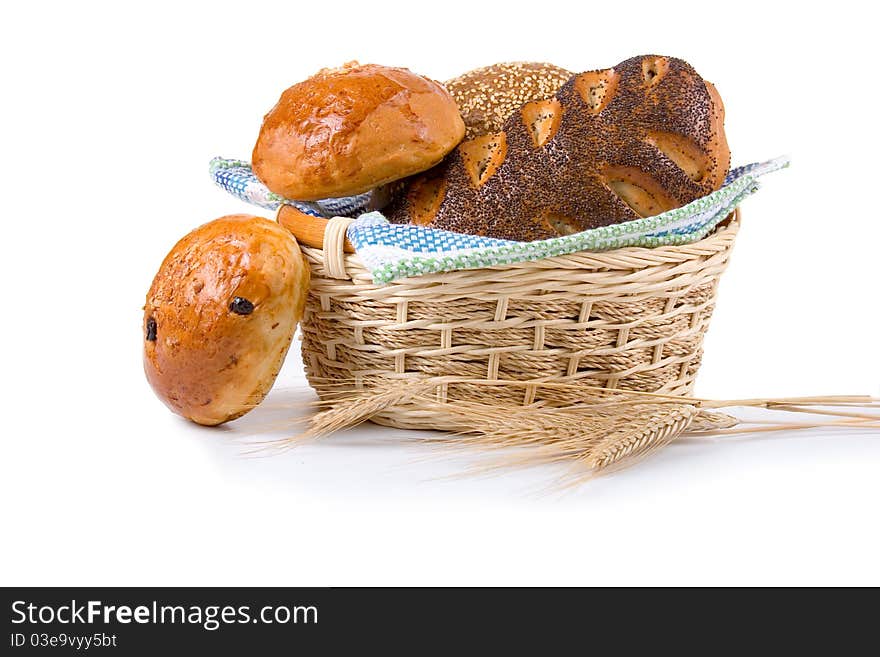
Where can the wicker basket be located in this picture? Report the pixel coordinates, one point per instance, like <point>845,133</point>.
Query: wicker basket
<point>631,319</point>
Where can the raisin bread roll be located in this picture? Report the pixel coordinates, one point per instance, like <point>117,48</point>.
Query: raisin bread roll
<point>220,315</point>
<point>613,145</point>
<point>487,96</point>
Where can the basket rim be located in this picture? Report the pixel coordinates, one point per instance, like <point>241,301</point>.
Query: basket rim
<point>630,257</point>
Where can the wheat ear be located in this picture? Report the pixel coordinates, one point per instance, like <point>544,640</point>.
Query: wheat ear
<point>637,439</point>
<point>352,410</point>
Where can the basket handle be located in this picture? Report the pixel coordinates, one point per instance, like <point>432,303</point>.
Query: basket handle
<point>325,234</point>
<point>306,228</point>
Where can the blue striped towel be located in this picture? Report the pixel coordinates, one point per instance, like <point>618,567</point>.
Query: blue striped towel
<point>393,251</point>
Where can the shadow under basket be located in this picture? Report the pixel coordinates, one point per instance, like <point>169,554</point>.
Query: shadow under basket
<point>630,319</point>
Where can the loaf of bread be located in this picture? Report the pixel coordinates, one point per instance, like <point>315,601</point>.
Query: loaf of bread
<point>345,131</point>
<point>487,96</point>
<point>612,145</point>
<point>220,315</point>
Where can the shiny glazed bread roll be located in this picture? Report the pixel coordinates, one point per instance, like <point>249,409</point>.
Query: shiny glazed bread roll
<point>345,131</point>
<point>220,316</point>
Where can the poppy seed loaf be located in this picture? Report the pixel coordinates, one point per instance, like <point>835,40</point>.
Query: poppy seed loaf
<point>612,145</point>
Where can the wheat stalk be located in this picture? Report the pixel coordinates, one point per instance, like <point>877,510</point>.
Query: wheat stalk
<point>712,421</point>
<point>594,429</point>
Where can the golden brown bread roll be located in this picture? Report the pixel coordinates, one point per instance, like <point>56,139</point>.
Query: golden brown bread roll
<point>487,96</point>
<point>220,315</point>
<point>616,144</point>
<point>345,131</point>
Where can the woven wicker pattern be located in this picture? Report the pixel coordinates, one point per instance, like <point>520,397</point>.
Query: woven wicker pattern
<point>630,319</point>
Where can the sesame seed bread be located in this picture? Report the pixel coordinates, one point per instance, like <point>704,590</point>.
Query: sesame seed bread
<point>487,96</point>
<point>613,145</point>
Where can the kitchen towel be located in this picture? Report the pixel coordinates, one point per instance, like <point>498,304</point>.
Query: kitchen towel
<point>393,251</point>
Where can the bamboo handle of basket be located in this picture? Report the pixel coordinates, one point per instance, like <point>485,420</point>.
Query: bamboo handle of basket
<point>307,229</point>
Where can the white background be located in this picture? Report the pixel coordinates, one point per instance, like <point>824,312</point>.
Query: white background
<point>109,117</point>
